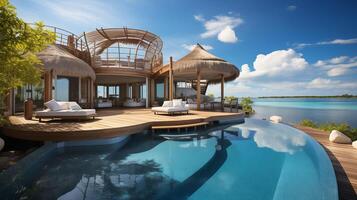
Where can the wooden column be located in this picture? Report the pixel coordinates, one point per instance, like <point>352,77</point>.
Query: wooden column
<point>79,89</point>
<point>48,86</point>
<point>165,89</point>
<point>91,93</point>
<point>171,81</point>
<point>198,91</point>
<point>152,92</point>
<point>147,92</point>
<point>222,92</point>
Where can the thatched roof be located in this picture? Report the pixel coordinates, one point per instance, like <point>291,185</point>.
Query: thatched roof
<point>210,66</point>
<point>58,59</point>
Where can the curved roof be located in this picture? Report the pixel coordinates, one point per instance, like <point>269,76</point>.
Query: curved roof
<point>100,39</point>
<point>58,59</point>
<point>210,66</point>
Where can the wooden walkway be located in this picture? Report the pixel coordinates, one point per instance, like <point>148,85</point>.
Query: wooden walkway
<point>108,123</point>
<point>344,161</point>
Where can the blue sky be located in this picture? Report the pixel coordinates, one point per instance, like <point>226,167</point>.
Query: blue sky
<point>283,47</point>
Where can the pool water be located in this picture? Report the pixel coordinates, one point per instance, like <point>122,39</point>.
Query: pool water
<point>253,160</point>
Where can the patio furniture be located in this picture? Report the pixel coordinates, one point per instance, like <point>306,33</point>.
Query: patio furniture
<point>104,103</point>
<point>131,103</point>
<point>64,110</point>
<point>232,103</point>
<point>176,106</point>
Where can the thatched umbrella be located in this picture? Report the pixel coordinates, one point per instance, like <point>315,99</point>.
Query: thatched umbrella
<point>210,66</point>
<point>61,62</point>
<point>199,65</point>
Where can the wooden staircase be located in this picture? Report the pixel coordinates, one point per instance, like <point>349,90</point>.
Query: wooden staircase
<point>204,86</point>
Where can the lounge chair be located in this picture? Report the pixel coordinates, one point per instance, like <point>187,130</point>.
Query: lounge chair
<point>64,110</point>
<point>176,106</point>
<point>232,103</point>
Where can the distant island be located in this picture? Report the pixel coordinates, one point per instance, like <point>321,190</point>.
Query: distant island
<point>333,96</point>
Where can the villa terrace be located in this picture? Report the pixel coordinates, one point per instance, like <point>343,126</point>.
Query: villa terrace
<point>108,123</point>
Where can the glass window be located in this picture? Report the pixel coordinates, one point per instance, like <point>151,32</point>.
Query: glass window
<point>62,89</point>
<point>114,91</point>
<point>159,90</point>
<point>102,91</point>
<point>35,92</point>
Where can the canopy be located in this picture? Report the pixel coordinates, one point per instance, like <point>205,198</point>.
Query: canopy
<point>58,59</point>
<point>102,38</point>
<point>210,66</point>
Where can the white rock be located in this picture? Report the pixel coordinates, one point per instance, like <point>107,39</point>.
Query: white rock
<point>338,137</point>
<point>276,119</point>
<point>2,144</point>
<point>354,144</point>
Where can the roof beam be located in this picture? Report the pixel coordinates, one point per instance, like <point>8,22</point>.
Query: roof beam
<point>137,46</point>
<point>103,33</point>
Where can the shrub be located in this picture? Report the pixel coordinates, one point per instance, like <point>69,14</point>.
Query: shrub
<point>308,123</point>
<point>246,104</point>
<point>342,127</point>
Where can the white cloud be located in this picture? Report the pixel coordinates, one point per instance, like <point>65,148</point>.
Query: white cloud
<point>331,42</point>
<point>337,71</point>
<point>341,41</point>
<point>337,66</point>
<point>286,72</point>
<point>280,62</point>
<point>319,83</point>
<point>199,18</point>
<point>191,46</point>
<point>79,11</point>
<point>220,25</point>
<point>291,8</point>
<point>227,35</point>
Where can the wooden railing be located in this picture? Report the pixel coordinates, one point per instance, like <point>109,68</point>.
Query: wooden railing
<point>67,38</point>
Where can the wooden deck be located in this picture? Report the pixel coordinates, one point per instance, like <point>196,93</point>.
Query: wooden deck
<point>108,123</point>
<point>344,161</point>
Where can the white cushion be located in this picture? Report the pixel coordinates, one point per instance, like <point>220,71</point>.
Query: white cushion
<point>64,105</point>
<point>354,144</point>
<point>167,104</point>
<point>177,103</point>
<point>74,106</point>
<point>65,113</point>
<point>338,137</point>
<point>53,105</point>
<point>169,109</point>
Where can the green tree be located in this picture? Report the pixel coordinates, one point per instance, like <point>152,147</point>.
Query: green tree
<point>19,43</point>
<point>247,103</point>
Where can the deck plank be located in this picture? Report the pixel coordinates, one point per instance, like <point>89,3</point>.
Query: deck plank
<point>108,123</point>
<point>344,161</point>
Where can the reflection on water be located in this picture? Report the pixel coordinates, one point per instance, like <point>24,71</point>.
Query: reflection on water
<point>279,139</point>
<point>232,162</point>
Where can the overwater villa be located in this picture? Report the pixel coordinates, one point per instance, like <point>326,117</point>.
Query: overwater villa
<point>199,147</point>
<point>120,67</point>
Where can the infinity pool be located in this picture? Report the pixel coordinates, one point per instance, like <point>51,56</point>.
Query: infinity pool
<point>254,160</point>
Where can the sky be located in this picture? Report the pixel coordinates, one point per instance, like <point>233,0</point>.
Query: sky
<point>282,47</point>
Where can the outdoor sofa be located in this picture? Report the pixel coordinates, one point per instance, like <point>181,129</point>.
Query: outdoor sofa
<point>176,106</point>
<point>64,110</point>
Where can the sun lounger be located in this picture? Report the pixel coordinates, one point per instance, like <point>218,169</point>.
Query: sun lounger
<point>177,106</point>
<point>64,110</point>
